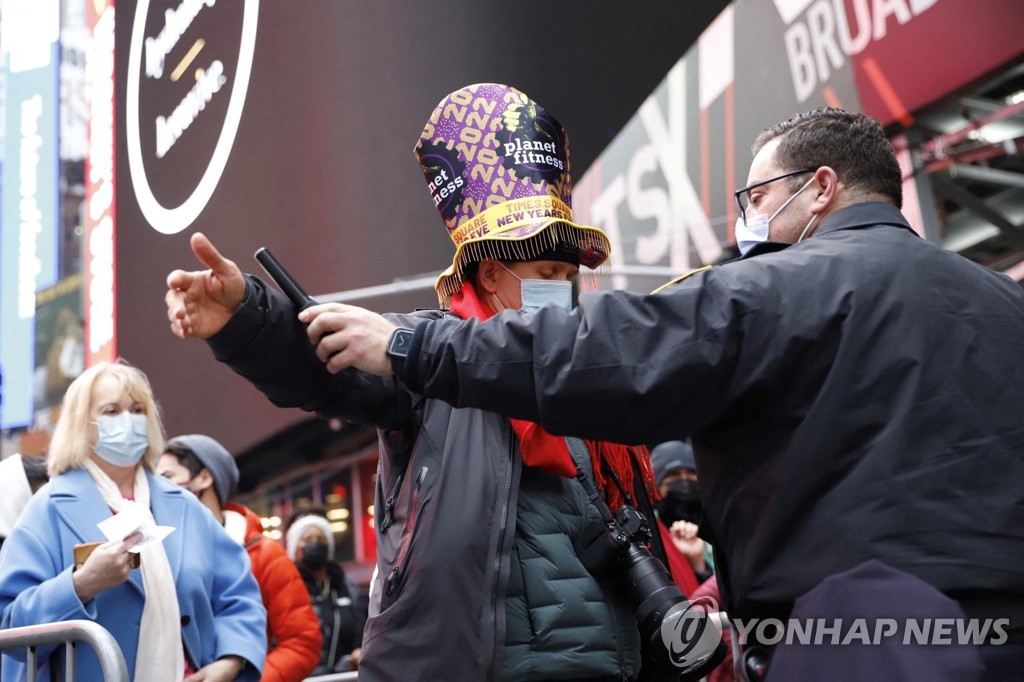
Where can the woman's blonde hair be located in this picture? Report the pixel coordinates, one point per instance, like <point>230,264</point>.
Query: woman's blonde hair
<point>70,447</point>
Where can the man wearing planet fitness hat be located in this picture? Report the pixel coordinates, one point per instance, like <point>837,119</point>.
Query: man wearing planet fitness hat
<point>476,514</point>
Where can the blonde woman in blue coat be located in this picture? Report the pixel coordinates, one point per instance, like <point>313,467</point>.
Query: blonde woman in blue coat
<point>191,611</point>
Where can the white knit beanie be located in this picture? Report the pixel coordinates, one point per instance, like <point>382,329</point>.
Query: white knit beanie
<point>299,526</point>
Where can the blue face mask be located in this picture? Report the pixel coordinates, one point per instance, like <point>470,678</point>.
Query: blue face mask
<point>538,292</point>
<point>123,438</point>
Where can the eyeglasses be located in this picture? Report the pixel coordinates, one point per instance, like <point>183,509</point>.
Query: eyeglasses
<point>743,199</point>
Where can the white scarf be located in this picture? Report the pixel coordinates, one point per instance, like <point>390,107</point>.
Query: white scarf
<point>160,656</point>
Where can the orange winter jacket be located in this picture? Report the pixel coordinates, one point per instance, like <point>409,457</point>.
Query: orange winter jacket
<point>293,631</point>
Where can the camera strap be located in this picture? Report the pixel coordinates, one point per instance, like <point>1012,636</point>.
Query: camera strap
<point>580,457</point>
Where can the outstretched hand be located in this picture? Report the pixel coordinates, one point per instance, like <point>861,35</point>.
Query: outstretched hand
<point>349,336</point>
<point>200,302</point>
<point>684,537</point>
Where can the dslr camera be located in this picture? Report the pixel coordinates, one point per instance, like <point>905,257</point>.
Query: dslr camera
<point>680,642</point>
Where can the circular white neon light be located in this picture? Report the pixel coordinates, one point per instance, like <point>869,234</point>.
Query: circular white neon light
<point>173,220</point>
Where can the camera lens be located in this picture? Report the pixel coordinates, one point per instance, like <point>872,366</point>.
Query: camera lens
<point>652,594</point>
<point>649,587</point>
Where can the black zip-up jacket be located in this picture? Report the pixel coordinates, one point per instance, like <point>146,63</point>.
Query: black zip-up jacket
<point>857,395</point>
<point>463,583</point>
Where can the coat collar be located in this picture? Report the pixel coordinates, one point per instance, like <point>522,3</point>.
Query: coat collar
<point>79,504</point>
<point>863,214</point>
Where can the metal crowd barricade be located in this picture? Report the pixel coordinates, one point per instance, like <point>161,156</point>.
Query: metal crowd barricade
<point>69,632</point>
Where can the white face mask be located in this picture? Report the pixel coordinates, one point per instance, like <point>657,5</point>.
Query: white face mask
<point>538,292</point>
<point>756,229</point>
<point>750,234</point>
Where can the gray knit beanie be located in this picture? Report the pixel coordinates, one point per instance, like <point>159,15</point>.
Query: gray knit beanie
<point>214,457</point>
<point>669,457</point>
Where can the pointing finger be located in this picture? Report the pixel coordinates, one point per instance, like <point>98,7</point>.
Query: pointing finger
<point>209,256</point>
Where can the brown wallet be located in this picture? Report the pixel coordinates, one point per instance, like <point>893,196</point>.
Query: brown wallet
<point>83,551</point>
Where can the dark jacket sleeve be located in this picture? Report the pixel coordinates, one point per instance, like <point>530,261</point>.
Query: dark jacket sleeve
<point>617,368</point>
<point>265,343</point>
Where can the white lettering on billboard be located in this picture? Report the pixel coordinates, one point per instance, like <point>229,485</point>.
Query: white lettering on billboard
<point>170,128</point>
<point>675,207</point>
<point>30,217</point>
<point>668,137</point>
<point>170,220</point>
<point>819,42</point>
<point>176,22</point>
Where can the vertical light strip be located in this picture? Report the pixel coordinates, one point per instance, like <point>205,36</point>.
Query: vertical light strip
<point>100,220</point>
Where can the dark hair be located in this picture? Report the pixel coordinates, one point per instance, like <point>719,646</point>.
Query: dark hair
<point>35,471</point>
<point>35,468</point>
<point>853,145</point>
<point>186,458</point>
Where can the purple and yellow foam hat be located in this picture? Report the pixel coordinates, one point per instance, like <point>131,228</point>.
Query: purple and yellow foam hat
<point>497,167</point>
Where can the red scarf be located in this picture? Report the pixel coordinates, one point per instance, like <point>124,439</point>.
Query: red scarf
<point>542,450</point>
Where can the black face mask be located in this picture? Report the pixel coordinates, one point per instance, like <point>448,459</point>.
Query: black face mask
<point>681,502</point>
<point>314,555</point>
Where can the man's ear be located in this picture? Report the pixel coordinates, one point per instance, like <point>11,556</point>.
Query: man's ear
<point>487,275</point>
<point>204,479</point>
<point>827,182</point>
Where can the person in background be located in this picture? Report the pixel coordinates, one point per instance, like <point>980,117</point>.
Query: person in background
<point>679,507</point>
<point>20,478</point>
<point>679,510</point>
<point>309,541</point>
<point>205,467</point>
<point>190,611</point>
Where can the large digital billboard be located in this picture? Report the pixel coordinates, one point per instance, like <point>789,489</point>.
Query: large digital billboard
<point>29,225</point>
<point>291,125</point>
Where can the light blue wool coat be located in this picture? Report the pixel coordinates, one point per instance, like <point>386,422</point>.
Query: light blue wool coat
<point>221,610</point>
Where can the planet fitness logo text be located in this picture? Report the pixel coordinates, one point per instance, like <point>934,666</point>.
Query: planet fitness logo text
<point>444,172</point>
<point>532,144</point>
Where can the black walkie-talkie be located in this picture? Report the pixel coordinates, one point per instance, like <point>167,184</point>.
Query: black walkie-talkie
<point>296,294</point>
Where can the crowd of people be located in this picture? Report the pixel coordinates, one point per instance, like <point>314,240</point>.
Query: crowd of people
<point>214,600</point>
<point>833,421</point>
